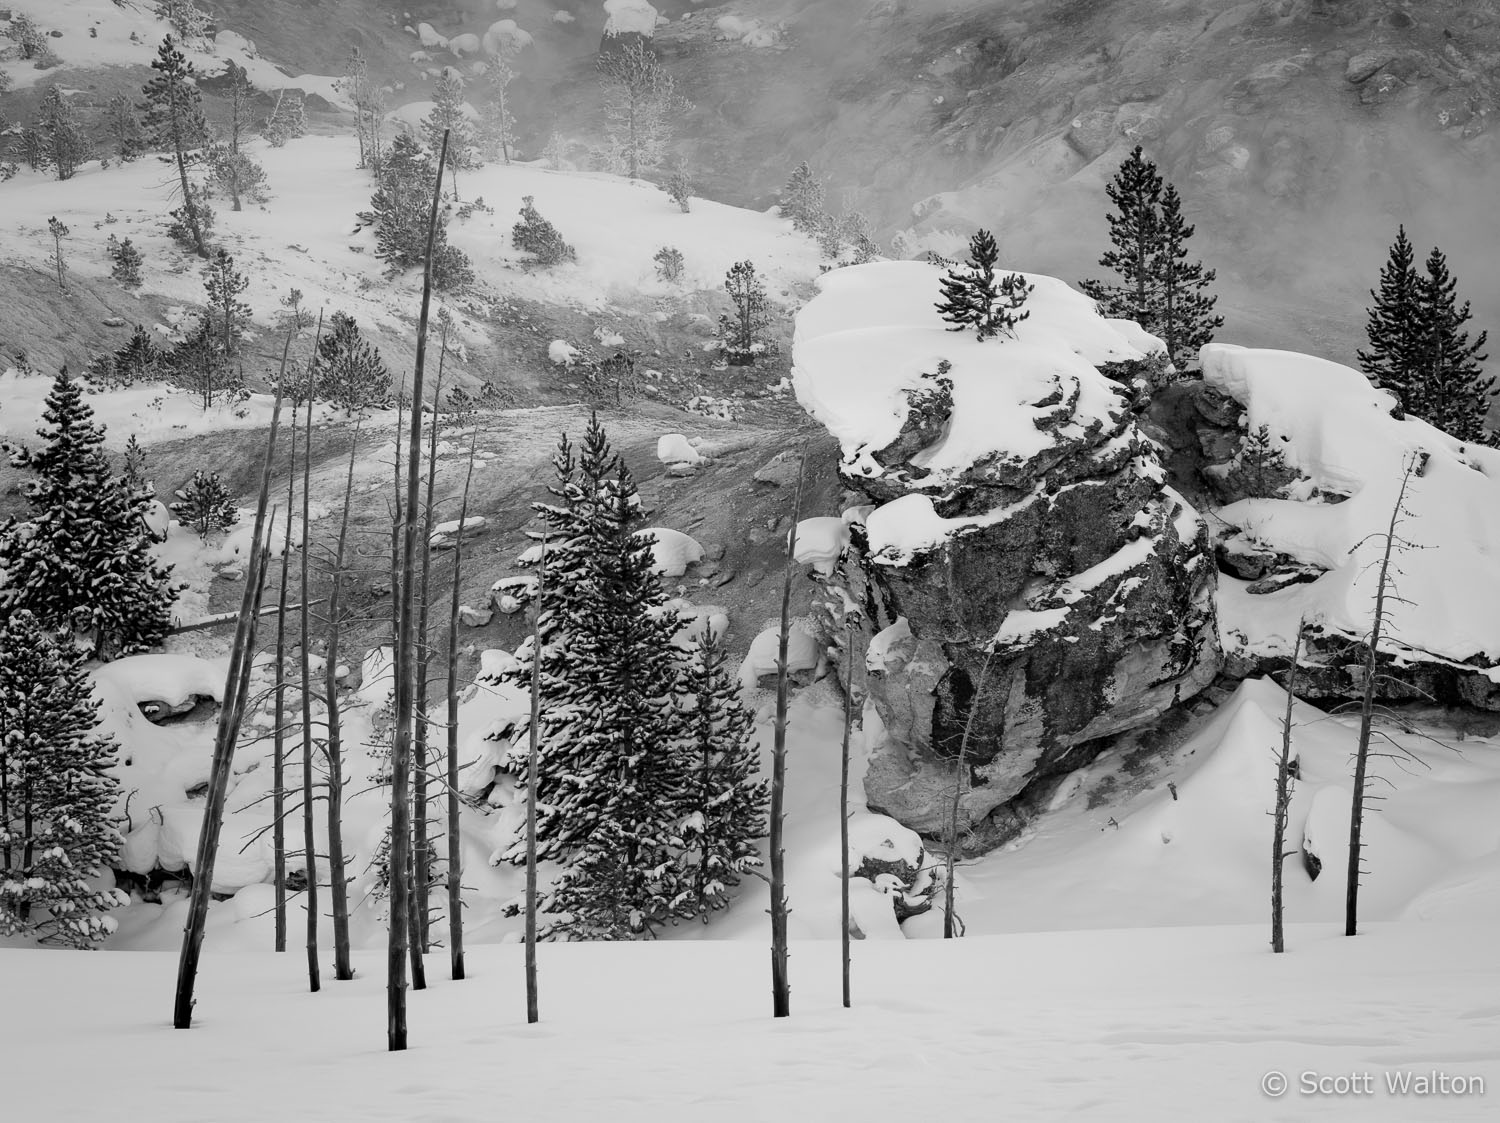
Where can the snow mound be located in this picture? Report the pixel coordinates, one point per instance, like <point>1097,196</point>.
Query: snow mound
<point>562,353</point>
<point>1339,434</point>
<point>803,653</point>
<point>171,679</point>
<point>674,448</point>
<point>821,542</point>
<point>629,15</point>
<point>465,44</point>
<point>673,550</point>
<point>505,37</point>
<point>884,642</point>
<point>697,619</point>
<point>871,336</point>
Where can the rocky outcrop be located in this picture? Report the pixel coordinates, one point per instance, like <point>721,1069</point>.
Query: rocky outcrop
<point>1025,574</point>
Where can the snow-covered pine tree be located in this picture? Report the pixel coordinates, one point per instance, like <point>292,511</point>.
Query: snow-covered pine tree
<point>727,805</point>
<point>802,199</point>
<point>186,20</point>
<point>400,209</point>
<point>448,115</point>
<point>1186,319</point>
<point>229,315</point>
<point>641,107</point>
<point>139,360</point>
<point>65,144</point>
<point>134,473</point>
<point>1448,388</point>
<point>533,234</point>
<point>669,263</point>
<point>348,370</point>
<point>82,559</point>
<point>205,505</point>
<point>974,297</point>
<point>56,792</point>
<point>679,184</point>
<point>173,112</point>
<point>1135,232</point>
<point>1391,323</point>
<point>126,267</point>
<point>744,329</point>
<point>625,781</point>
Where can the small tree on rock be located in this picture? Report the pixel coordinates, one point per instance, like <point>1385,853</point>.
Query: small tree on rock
<point>205,505</point>
<point>1449,389</point>
<point>974,297</point>
<point>1186,318</point>
<point>56,792</point>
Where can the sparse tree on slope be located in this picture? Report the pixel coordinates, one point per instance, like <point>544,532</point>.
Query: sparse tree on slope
<point>125,128</point>
<point>205,505</point>
<point>496,134</point>
<point>350,372</point>
<point>400,208</point>
<point>186,20</point>
<point>222,285</point>
<point>802,200</point>
<point>744,329</point>
<point>233,170</point>
<point>1449,389</point>
<point>56,792</point>
<point>728,803</point>
<point>448,116</point>
<point>65,144</point>
<point>174,120</point>
<point>58,232</point>
<point>538,237</point>
<point>641,107</point>
<point>1135,232</point>
<point>82,560</point>
<point>126,267</point>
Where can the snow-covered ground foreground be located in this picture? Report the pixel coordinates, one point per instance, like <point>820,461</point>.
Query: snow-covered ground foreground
<point>1118,1025</point>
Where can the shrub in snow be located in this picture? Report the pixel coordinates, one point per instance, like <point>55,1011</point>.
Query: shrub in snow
<point>538,237</point>
<point>125,268</point>
<point>82,560</point>
<point>186,20</point>
<point>56,819</point>
<point>613,376</point>
<point>205,505</point>
<point>191,221</point>
<point>679,185</point>
<point>287,119</point>
<point>400,209</point>
<point>668,264</point>
<point>972,297</point>
<point>744,329</point>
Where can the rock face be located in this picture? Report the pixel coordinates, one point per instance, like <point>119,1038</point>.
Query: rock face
<point>1026,573</point>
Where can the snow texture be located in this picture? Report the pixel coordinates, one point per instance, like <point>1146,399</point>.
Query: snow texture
<point>673,550</point>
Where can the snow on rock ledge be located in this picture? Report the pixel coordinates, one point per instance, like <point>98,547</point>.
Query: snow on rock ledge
<point>1016,504</point>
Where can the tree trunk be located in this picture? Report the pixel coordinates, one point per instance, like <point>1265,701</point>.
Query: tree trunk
<point>950,917</point>
<point>1367,710</point>
<point>231,711</point>
<point>1283,798</point>
<point>532,734</point>
<point>455,842</point>
<point>780,987</point>
<point>309,838</point>
<point>338,888</point>
<point>405,694</point>
<point>844,808</point>
<point>278,765</point>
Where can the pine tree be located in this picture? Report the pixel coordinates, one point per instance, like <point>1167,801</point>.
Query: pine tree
<point>973,297</point>
<point>125,128</point>
<point>186,20</point>
<point>496,134</point>
<point>349,371</point>
<point>802,200</point>
<point>669,263</point>
<point>139,360</point>
<point>679,185</point>
<point>134,475</point>
<point>174,119</point>
<point>1448,388</point>
<point>641,107</point>
<point>367,109</point>
<point>56,792</point>
<point>126,269</point>
<point>447,115</point>
<point>1135,233</point>
<point>288,119</point>
<point>538,237</point>
<point>65,144</point>
<point>229,315</point>
<point>82,560</point>
<point>1390,324</point>
<point>231,168</point>
<point>1186,317</point>
<point>205,505</point>
<point>728,802</point>
<point>199,364</point>
<point>400,209</point>
<point>744,329</point>
<point>58,231</point>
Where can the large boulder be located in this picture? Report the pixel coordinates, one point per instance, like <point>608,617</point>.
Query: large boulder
<point>1026,573</point>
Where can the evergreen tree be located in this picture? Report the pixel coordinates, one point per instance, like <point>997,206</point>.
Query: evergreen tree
<point>538,237</point>
<point>59,231</point>
<point>56,792</point>
<point>679,185</point>
<point>1449,389</point>
<point>186,20</point>
<point>205,505</point>
<point>199,364</point>
<point>229,315</point>
<point>1186,317</point>
<point>728,802</point>
<point>82,560</point>
<point>349,372</point>
<point>641,107</point>
<point>1391,323</point>
<point>974,297</point>
<point>65,145</point>
<point>174,119</point>
<point>744,330</point>
<point>125,128</point>
<point>139,360</point>
<point>496,135</point>
<point>237,174</point>
<point>400,208</point>
<point>1135,233</point>
<point>134,475</point>
<point>126,269</point>
<point>802,200</point>
<point>192,215</point>
<point>287,119</point>
<point>448,115</point>
<point>669,263</point>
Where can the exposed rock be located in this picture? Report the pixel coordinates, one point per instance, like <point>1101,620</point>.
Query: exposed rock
<point>1365,65</point>
<point>473,617</point>
<point>780,470</point>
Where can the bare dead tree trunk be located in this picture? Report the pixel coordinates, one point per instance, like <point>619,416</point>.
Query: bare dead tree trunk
<point>844,807</point>
<point>1367,706</point>
<point>405,692</point>
<point>781,1004</point>
<point>532,735</point>
<point>231,713</point>
<point>309,836</point>
<point>455,842</point>
<point>338,886</point>
<point>1279,853</point>
<point>950,917</point>
<point>278,764</point>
